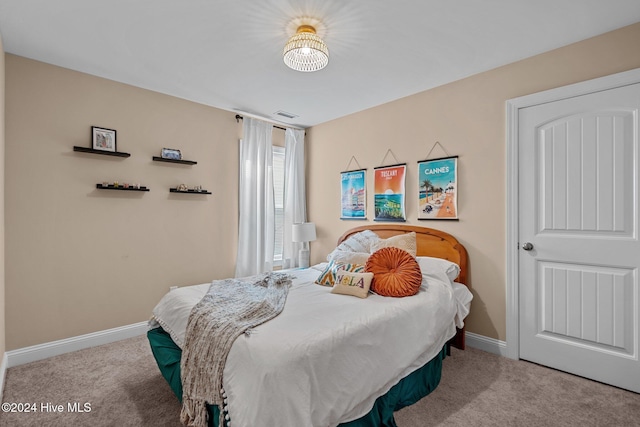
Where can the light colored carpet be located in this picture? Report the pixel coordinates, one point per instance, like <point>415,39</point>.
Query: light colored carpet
<point>482,389</point>
<point>123,386</point>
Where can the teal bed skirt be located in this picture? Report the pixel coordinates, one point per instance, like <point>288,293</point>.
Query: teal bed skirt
<point>408,391</point>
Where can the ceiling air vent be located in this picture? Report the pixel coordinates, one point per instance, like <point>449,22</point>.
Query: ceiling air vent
<point>285,114</point>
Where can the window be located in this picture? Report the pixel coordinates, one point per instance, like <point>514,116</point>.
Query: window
<point>278,194</point>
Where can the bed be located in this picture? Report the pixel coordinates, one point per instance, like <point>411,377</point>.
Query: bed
<point>329,359</point>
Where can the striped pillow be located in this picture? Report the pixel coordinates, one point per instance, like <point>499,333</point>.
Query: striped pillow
<point>359,242</point>
<point>328,276</point>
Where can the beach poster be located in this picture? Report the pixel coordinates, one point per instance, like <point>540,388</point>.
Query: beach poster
<point>438,188</point>
<point>389,193</point>
<point>353,194</point>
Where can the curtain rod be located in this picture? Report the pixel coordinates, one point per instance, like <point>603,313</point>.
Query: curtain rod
<point>239,117</point>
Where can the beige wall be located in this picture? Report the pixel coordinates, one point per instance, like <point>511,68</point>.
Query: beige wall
<point>78,259</point>
<point>2,250</point>
<point>468,118</point>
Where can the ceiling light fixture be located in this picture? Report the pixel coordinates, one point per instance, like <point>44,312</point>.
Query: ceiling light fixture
<point>305,51</point>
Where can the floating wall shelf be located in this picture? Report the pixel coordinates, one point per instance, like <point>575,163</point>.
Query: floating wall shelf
<point>184,162</point>
<point>175,190</point>
<point>120,187</point>
<point>106,153</point>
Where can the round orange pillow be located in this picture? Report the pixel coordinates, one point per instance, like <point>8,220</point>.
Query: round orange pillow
<point>396,272</point>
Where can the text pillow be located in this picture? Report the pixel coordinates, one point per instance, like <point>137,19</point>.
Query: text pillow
<point>328,276</point>
<point>349,283</point>
<point>405,241</point>
<point>396,272</point>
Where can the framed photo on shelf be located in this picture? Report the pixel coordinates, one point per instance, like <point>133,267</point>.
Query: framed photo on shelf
<point>171,153</point>
<point>438,188</point>
<point>103,139</point>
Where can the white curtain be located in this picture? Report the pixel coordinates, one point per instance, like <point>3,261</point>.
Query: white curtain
<point>256,202</point>
<point>295,201</point>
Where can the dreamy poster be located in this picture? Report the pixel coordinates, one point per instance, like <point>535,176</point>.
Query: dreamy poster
<point>438,186</point>
<point>389,193</point>
<point>353,194</point>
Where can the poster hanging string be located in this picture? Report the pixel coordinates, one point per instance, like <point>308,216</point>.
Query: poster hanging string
<point>353,159</point>
<point>434,146</point>
<point>385,157</point>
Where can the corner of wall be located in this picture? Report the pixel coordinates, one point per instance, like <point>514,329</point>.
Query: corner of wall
<point>3,365</point>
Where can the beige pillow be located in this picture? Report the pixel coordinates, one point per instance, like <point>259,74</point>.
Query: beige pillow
<point>405,242</point>
<point>351,257</point>
<point>350,283</point>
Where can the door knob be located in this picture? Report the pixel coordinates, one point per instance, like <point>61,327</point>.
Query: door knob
<point>527,246</point>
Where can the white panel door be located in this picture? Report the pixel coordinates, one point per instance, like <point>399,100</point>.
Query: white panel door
<point>578,235</point>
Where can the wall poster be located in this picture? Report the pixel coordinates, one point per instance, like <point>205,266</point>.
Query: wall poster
<point>438,188</point>
<point>389,192</point>
<point>353,194</point>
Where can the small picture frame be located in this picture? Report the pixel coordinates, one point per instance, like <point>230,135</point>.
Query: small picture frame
<point>103,139</point>
<point>171,153</point>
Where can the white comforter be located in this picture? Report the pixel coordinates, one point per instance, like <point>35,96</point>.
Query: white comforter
<point>327,357</point>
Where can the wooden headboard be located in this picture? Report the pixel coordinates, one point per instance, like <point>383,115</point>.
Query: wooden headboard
<point>433,243</point>
<point>430,242</point>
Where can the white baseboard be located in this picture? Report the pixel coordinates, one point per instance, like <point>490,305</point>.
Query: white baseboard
<point>67,345</point>
<point>3,371</point>
<point>490,345</point>
<point>43,351</point>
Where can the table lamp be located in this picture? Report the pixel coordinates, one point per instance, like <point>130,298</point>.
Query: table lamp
<point>304,233</point>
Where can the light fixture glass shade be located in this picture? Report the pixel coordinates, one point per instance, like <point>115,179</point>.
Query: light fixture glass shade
<point>305,51</point>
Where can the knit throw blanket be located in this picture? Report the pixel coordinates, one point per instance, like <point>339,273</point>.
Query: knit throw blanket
<point>229,308</point>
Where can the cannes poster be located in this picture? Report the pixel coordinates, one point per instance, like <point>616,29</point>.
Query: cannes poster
<point>437,181</point>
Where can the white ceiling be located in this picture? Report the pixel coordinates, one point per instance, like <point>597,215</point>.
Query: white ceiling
<point>228,54</point>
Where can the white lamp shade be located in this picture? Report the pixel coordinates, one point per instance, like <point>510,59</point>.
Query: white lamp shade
<point>303,232</point>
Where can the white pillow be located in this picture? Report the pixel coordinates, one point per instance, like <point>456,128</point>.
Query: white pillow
<point>438,265</point>
<point>359,242</point>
